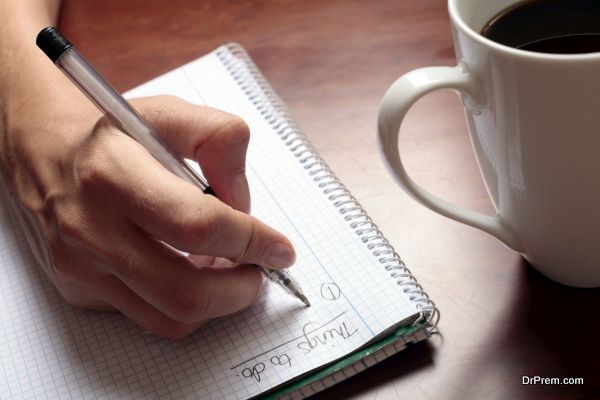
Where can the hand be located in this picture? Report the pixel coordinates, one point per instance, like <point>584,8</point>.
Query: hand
<point>107,207</point>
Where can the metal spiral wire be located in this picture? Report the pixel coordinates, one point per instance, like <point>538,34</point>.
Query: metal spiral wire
<point>272,108</point>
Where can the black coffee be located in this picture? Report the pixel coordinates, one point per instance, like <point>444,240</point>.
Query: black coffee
<point>548,26</point>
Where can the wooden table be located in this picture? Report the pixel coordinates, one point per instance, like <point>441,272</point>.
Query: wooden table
<point>331,61</point>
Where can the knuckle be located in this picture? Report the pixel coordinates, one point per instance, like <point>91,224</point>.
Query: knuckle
<point>200,230</point>
<point>70,227</point>
<point>233,130</point>
<point>159,108</point>
<point>100,162</point>
<point>93,171</point>
<point>191,305</point>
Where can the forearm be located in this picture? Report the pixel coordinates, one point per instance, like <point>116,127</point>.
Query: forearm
<point>36,99</point>
<point>22,64</point>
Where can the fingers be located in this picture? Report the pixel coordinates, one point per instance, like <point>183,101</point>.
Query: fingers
<point>216,139</point>
<point>142,313</point>
<point>203,225</point>
<point>170,294</point>
<point>119,200</point>
<point>99,288</point>
<point>177,213</point>
<point>119,181</point>
<point>172,210</point>
<point>175,286</point>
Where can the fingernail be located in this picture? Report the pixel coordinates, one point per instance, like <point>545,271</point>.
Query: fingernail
<point>280,255</point>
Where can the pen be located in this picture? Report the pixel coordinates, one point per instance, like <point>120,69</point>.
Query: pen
<point>64,55</point>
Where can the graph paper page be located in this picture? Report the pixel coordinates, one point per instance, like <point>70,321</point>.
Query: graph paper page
<point>50,349</point>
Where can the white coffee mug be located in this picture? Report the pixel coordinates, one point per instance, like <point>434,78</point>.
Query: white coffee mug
<point>534,120</point>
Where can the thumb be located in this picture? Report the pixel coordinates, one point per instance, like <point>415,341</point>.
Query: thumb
<point>240,237</point>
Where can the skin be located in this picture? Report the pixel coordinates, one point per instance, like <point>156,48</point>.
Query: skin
<point>106,207</point>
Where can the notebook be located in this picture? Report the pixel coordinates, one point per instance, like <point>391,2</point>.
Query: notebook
<point>366,304</point>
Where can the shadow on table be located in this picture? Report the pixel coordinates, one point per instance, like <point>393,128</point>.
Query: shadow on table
<point>546,330</point>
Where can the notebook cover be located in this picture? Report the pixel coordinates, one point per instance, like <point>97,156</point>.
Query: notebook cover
<point>350,359</point>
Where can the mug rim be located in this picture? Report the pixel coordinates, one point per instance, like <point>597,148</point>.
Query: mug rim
<point>477,37</point>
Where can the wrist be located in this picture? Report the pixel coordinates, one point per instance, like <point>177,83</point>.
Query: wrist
<point>27,77</point>
<point>40,131</point>
<point>44,114</point>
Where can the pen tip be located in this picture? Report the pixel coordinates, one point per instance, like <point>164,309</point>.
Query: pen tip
<point>303,299</point>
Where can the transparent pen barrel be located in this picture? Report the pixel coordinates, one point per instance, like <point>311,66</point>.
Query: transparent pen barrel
<point>125,117</point>
<point>281,277</point>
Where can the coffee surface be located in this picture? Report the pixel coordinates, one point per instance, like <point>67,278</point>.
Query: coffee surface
<point>548,26</point>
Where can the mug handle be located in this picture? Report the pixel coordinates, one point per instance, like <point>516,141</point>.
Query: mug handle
<point>397,101</point>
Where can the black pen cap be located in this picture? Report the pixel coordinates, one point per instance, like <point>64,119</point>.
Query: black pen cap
<point>52,43</point>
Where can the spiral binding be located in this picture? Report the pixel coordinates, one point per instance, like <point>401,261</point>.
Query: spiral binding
<point>271,107</point>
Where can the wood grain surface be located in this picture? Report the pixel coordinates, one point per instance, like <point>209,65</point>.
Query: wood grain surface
<point>331,62</point>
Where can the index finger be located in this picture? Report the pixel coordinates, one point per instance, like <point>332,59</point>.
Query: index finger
<point>215,139</point>
<point>173,285</point>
